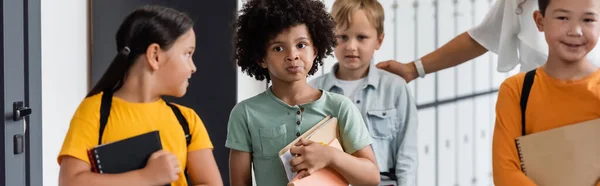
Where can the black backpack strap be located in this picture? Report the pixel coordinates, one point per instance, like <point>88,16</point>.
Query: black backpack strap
<point>104,113</point>
<point>183,122</point>
<point>186,129</point>
<point>527,83</point>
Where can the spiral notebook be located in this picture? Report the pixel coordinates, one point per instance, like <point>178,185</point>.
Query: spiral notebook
<point>568,155</point>
<point>124,155</point>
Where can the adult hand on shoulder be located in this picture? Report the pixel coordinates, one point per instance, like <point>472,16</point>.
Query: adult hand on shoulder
<point>407,71</point>
<point>162,168</point>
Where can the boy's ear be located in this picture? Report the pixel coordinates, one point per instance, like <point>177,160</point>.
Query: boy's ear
<point>539,20</point>
<point>153,56</point>
<point>262,63</point>
<point>379,41</point>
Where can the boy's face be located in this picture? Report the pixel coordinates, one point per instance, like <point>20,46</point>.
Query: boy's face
<point>571,28</point>
<point>357,43</point>
<point>290,55</point>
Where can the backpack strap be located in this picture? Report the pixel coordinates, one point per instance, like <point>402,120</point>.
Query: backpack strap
<point>105,105</point>
<point>186,129</point>
<point>527,83</point>
<point>183,122</point>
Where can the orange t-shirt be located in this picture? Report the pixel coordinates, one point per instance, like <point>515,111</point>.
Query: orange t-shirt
<point>552,103</point>
<point>130,119</point>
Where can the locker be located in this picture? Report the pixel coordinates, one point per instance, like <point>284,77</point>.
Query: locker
<point>404,35</point>
<point>498,77</point>
<point>482,139</point>
<point>386,51</point>
<point>329,4</point>
<point>465,71</point>
<point>446,139</point>
<point>425,44</point>
<point>330,60</point>
<point>446,87</point>
<point>493,99</point>
<point>483,74</point>
<point>484,68</point>
<point>426,146</point>
<point>247,86</point>
<point>464,141</point>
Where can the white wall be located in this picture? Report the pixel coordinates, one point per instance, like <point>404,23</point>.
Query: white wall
<point>64,74</point>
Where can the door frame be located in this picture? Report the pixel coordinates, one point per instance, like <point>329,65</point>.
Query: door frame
<point>20,49</point>
<point>33,96</point>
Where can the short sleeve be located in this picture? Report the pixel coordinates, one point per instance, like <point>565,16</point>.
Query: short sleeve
<point>83,131</point>
<point>488,32</point>
<point>354,132</point>
<point>200,137</point>
<point>238,135</point>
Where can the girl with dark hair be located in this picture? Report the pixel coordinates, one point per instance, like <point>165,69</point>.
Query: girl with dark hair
<point>155,46</point>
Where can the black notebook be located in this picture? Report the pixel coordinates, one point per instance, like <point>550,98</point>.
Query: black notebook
<point>124,155</point>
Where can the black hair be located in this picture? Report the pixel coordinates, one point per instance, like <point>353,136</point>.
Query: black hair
<point>146,25</point>
<point>543,4</point>
<point>262,20</point>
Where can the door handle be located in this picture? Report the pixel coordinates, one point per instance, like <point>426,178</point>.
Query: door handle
<point>20,111</point>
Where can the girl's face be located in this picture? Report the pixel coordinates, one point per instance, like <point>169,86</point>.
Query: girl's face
<point>290,55</point>
<point>177,68</point>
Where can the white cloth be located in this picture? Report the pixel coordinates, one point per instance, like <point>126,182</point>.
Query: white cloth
<point>511,32</point>
<point>349,87</point>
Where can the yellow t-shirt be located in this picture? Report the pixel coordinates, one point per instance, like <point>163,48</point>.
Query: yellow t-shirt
<point>129,119</point>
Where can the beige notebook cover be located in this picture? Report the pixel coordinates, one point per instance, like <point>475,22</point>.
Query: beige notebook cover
<point>323,132</point>
<point>326,176</point>
<point>326,133</point>
<point>568,155</point>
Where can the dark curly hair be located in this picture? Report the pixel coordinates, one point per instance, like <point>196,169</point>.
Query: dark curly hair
<point>262,20</point>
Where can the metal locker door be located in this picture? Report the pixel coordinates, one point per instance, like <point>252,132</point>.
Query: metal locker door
<point>425,44</point>
<point>464,141</point>
<point>465,70</point>
<point>387,49</point>
<point>446,83</point>
<point>483,140</point>
<point>446,140</point>
<point>426,146</point>
<point>405,35</point>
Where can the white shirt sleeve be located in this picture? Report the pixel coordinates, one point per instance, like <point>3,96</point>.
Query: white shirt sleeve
<point>509,30</point>
<point>498,33</point>
<point>488,32</point>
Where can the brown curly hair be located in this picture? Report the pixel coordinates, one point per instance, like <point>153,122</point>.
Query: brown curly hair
<point>262,20</point>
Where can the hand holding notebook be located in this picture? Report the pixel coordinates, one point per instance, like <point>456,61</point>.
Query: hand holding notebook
<point>138,153</point>
<point>162,168</point>
<point>310,156</point>
<point>324,133</point>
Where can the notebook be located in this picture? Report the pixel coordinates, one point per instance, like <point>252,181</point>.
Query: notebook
<point>568,155</point>
<point>124,155</point>
<point>326,132</point>
<point>326,176</point>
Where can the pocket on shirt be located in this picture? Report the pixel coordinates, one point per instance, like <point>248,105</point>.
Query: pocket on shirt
<point>382,123</point>
<point>272,140</point>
